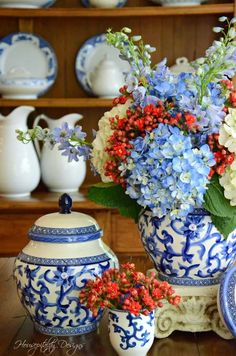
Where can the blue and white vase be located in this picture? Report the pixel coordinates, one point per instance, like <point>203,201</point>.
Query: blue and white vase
<point>64,251</point>
<point>129,334</point>
<point>190,251</point>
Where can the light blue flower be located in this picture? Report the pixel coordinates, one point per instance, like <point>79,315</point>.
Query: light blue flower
<point>170,175</point>
<point>79,134</point>
<point>62,134</point>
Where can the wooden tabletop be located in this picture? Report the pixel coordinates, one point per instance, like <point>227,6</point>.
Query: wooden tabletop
<point>18,337</point>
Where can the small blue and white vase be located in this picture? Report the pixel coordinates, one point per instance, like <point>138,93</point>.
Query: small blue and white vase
<point>190,251</point>
<point>65,250</point>
<point>129,334</point>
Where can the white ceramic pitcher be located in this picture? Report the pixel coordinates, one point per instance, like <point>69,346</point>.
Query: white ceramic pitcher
<point>58,174</point>
<point>19,165</point>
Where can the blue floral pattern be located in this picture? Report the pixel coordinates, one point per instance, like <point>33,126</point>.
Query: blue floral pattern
<point>187,251</point>
<point>61,235</point>
<point>132,331</point>
<point>50,295</point>
<point>227,300</point>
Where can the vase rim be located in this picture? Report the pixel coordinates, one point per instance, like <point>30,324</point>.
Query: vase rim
<point>196,211</point>
<point>126,311</point>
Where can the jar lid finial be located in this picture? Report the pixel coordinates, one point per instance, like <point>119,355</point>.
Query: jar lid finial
<point>65,204</point>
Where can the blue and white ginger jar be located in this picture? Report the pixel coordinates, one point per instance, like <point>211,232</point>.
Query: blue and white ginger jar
<point>65,250</point>
<point>190,251</point>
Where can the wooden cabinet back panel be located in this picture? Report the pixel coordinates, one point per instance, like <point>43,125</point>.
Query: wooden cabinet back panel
<point>172,36</point>
<point>125,235</point>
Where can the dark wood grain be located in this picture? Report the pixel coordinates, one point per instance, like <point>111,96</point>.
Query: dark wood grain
<point>123,12</point>
<point>209,344</point>
<point>18,337</point>
<point>11,311</point>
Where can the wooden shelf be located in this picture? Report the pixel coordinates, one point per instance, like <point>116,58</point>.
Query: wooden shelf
<point>120,12</point>
<point>39,201</point>
<point>59,102</point>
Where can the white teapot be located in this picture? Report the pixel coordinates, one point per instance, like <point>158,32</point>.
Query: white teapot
<point>106,79</point>
<point>182,65</point>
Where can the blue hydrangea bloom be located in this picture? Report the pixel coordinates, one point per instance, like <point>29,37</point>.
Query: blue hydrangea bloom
<point>183,90</point>
<point>166,173</point>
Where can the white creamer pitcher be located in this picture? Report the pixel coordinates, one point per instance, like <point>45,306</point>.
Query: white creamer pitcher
<point>58,174</point>
<point>19,165</point>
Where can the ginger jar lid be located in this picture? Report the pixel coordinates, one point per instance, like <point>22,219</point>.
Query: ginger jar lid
<point>65,226</point>
<point>226,300</point>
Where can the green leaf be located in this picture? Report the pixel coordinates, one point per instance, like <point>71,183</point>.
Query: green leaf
<point>131,211</point>
<point>114,196</point>
<point>215,201</point>
<point>225,225</point>
<point>104,185</point>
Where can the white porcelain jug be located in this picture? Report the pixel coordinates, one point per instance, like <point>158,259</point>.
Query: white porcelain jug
<point>19,165</point>
<point>106,79</point>
<point>58,174</point>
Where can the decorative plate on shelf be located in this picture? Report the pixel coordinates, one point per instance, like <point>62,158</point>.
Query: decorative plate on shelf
<point>227,300</point>
<point>178,2</point>
<point>104,3</point>
<point>91,54</point>
<point>24,4</point>
<point>23,88</point>
<point>29,60</point>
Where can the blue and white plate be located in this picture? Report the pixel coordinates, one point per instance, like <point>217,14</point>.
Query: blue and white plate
<point>227,300</point>
<point>104,3</point>
<point>178,2</point>
<point>90,55</point>
<point>25,57</point>
<point>26,4</point>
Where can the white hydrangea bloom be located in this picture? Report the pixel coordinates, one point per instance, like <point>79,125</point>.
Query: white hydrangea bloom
<point>228,182</point>
<point>99,156</point>
<point>227,132</point>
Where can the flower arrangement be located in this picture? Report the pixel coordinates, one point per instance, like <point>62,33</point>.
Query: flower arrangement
<point>128,290</point>
<point>169,142</point>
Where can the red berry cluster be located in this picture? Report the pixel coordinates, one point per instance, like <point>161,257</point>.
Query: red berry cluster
<point>127,290</point>
<point>228,85</point>
<point>222,156</point>
<point>232,98</point>
<point>123,97</point>
<point>137,122</point>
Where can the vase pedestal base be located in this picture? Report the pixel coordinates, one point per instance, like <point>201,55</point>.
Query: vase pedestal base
<point>197,312</point>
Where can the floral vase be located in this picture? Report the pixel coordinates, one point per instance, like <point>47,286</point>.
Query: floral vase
<point>129,334</point>
<point>190,251</point>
